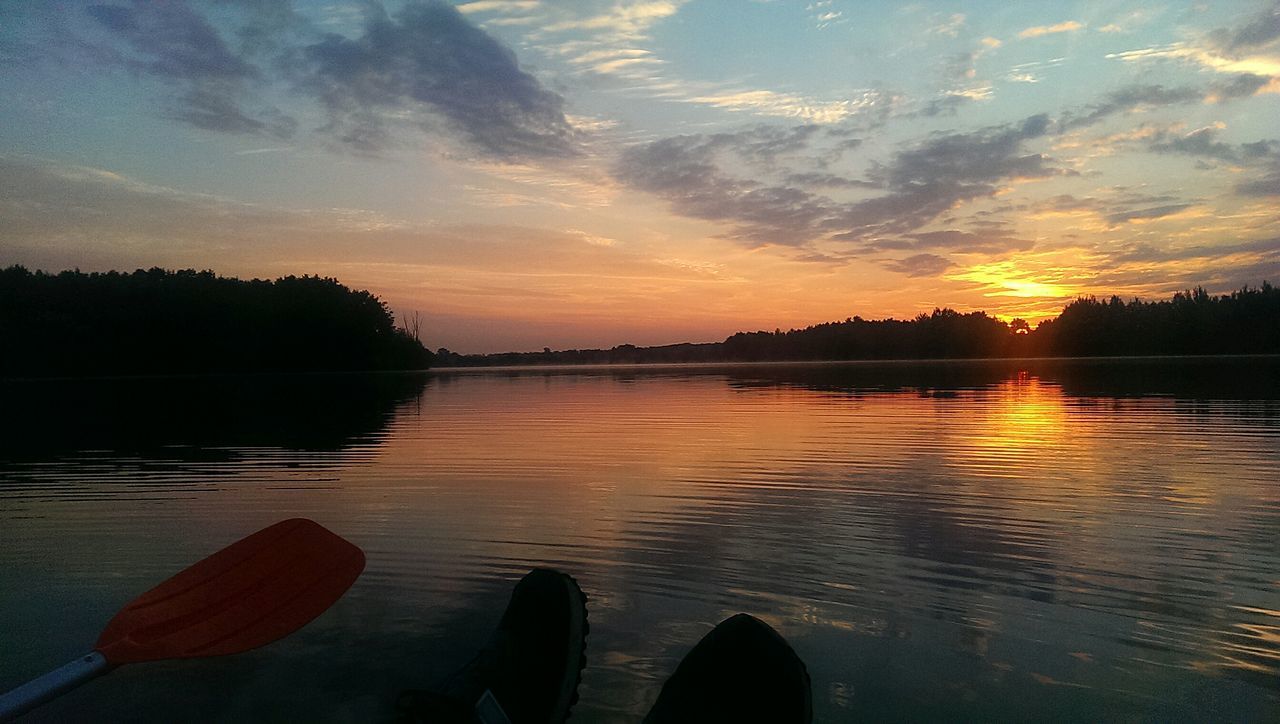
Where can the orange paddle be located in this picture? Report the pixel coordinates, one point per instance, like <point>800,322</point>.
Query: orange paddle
<point>248,594</point>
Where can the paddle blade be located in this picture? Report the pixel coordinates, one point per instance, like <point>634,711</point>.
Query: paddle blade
<point>248,594</point>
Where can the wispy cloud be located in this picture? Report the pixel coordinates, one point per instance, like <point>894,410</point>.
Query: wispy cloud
<point>1037,31</point>
<point>429,62</point>
<point>935,176</point>
<point>1248,51</point>
<point>1256,33</point>
<point>1138,97</point>
<point>177,45</point>
<point>1201,142</point>
<point>973,93</point>
<point>624,21</point>
<point>1203,56</point>
<point>823,15</point>
<point>949,26</point>
<point>1030,72</point>
<point>919,265</point>
<point>256,151</point>
<point>498,6</point>
<point>1132,20</point>
<point>947,105</point>
<point>1131,98</point>
<point>785,105</point>
<point>918,184</point>
<point>425,68</point>
<point>1147,214</point>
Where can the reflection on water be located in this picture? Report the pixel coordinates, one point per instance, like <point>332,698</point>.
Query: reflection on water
<point>997,541</point>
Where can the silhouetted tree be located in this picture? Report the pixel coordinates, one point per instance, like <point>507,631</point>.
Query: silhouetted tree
<point>1191,323</point>
<point>157,321</point>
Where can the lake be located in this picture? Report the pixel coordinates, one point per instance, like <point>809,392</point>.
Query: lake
<point>1004,541</point>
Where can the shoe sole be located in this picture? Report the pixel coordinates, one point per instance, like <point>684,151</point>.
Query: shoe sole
<point>576,654</point>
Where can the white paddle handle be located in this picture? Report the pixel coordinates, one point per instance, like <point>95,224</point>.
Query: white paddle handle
<point>56,682</point>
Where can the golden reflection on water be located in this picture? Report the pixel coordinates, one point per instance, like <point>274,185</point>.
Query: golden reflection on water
<point>1008,541</point>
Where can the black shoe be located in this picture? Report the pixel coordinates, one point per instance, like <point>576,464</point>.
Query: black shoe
<point>528,671</point>
<point>740,672</point>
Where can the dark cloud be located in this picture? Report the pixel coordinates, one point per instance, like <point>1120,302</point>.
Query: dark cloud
<point>833,153</point>
<point>684,171</point>
<point>271,28</point>
<point>1129,98</point>
<point>1221,266</point>
<point>1201,142</point>
<point>174,43</point>
<point>1266,185</point>
<point>947,169</point>
<point>1261,150</point>
<point>429,62</point>
<point>921,183</point>
<point>990,241</point>
<point>426,67</point>
<point>947,105</point>
<point>920,265</point>
<point>1261,157</point>
<point>1241,85</point>
<point>1119,206</point>
<point>1265,155</point>
<point>1260,30</point>
<point>977,158</point>
<point>1118,198</point>
<point>966,242</point>
<point>1146,253</point>
<point>1065,203</point>
<point>214,108</point>
<point>173,40</point>
<point>1155,212</point>
<point>1133,97</point>
<point>762,145</point>
<point>687,171</point>
<point>817,179</point>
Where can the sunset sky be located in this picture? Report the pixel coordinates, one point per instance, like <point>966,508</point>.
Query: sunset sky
<point>530,173</point>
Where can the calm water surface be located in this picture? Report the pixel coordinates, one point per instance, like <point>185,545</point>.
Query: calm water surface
<point>986,542</point>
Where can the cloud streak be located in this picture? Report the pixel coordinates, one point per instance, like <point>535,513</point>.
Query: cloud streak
<point>426,69</point>
<point>919,184</point>
<point>1130,98</point>
<point>1069,26</point>
<point>429,63</point>
<point>919,265</point>
<point>177,45</point>
<point>1258,32</point>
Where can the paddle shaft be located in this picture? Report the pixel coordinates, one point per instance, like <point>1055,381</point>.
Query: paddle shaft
<point>56,682</point>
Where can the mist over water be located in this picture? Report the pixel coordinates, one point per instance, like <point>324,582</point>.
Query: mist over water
<point>1018,540</point>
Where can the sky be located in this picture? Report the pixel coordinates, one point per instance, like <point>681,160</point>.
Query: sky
<point>536,173</point>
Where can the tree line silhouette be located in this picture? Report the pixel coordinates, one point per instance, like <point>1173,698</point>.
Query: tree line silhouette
<point>160,322</point>
<point>1190,323</point>
<point>164,322</point>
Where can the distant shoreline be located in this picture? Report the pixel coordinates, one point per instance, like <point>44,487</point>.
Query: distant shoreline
<point>1191,323</point>
<point>850,363</point>
<point>158,322</point>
